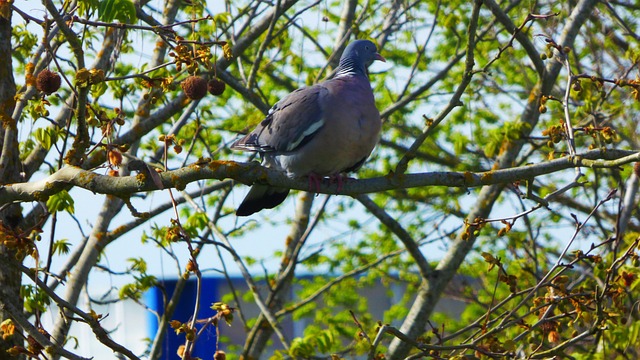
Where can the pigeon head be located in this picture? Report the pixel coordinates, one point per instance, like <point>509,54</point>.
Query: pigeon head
<point>357,57</point>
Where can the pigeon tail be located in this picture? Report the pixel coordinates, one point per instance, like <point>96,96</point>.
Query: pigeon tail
<point>261,197</point>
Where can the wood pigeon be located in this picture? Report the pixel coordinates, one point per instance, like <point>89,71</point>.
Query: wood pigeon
<point>322,130</point>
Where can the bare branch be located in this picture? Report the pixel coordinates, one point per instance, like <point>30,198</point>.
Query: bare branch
<point>249,173</point>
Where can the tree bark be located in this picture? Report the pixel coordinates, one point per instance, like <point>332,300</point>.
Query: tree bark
<point>11,214</point>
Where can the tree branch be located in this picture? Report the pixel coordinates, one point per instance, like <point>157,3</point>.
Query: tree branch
<point>249,173</point>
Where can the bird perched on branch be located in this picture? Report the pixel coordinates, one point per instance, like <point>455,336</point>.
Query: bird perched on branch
<point>322,130</point>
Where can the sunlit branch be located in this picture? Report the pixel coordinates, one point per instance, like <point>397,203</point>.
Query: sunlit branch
<point>249,173</point>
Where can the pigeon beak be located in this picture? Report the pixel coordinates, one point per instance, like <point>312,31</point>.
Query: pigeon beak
<point>379,57</point>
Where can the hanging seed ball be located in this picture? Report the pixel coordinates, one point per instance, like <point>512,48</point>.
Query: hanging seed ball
<point>220,355</point>
<point>195,87</point>
<point>216,87</point>
<point>48,82</point>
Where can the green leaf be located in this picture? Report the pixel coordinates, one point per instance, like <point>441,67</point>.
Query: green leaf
<point>62,246</point>
<point>301,348</point>
<point>38,109</point>
<point>222,18</point>
<point>61,201</point>
<point>138,264</point>
<point>106,10</point>
<point>87,7</point>
<point>99,89</point>
<point>45,137</point>
<point>34,298</point>
<point>250,260</point>
<point>121,10</point>
<point>198,220</point>
<point>129,291</point>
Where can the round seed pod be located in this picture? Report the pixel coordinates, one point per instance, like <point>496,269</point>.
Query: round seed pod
<point>195,87</point>
<point>48,81</point>
<point>216,87</point>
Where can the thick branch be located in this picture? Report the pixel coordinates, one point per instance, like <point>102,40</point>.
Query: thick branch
<point>249,173</point>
